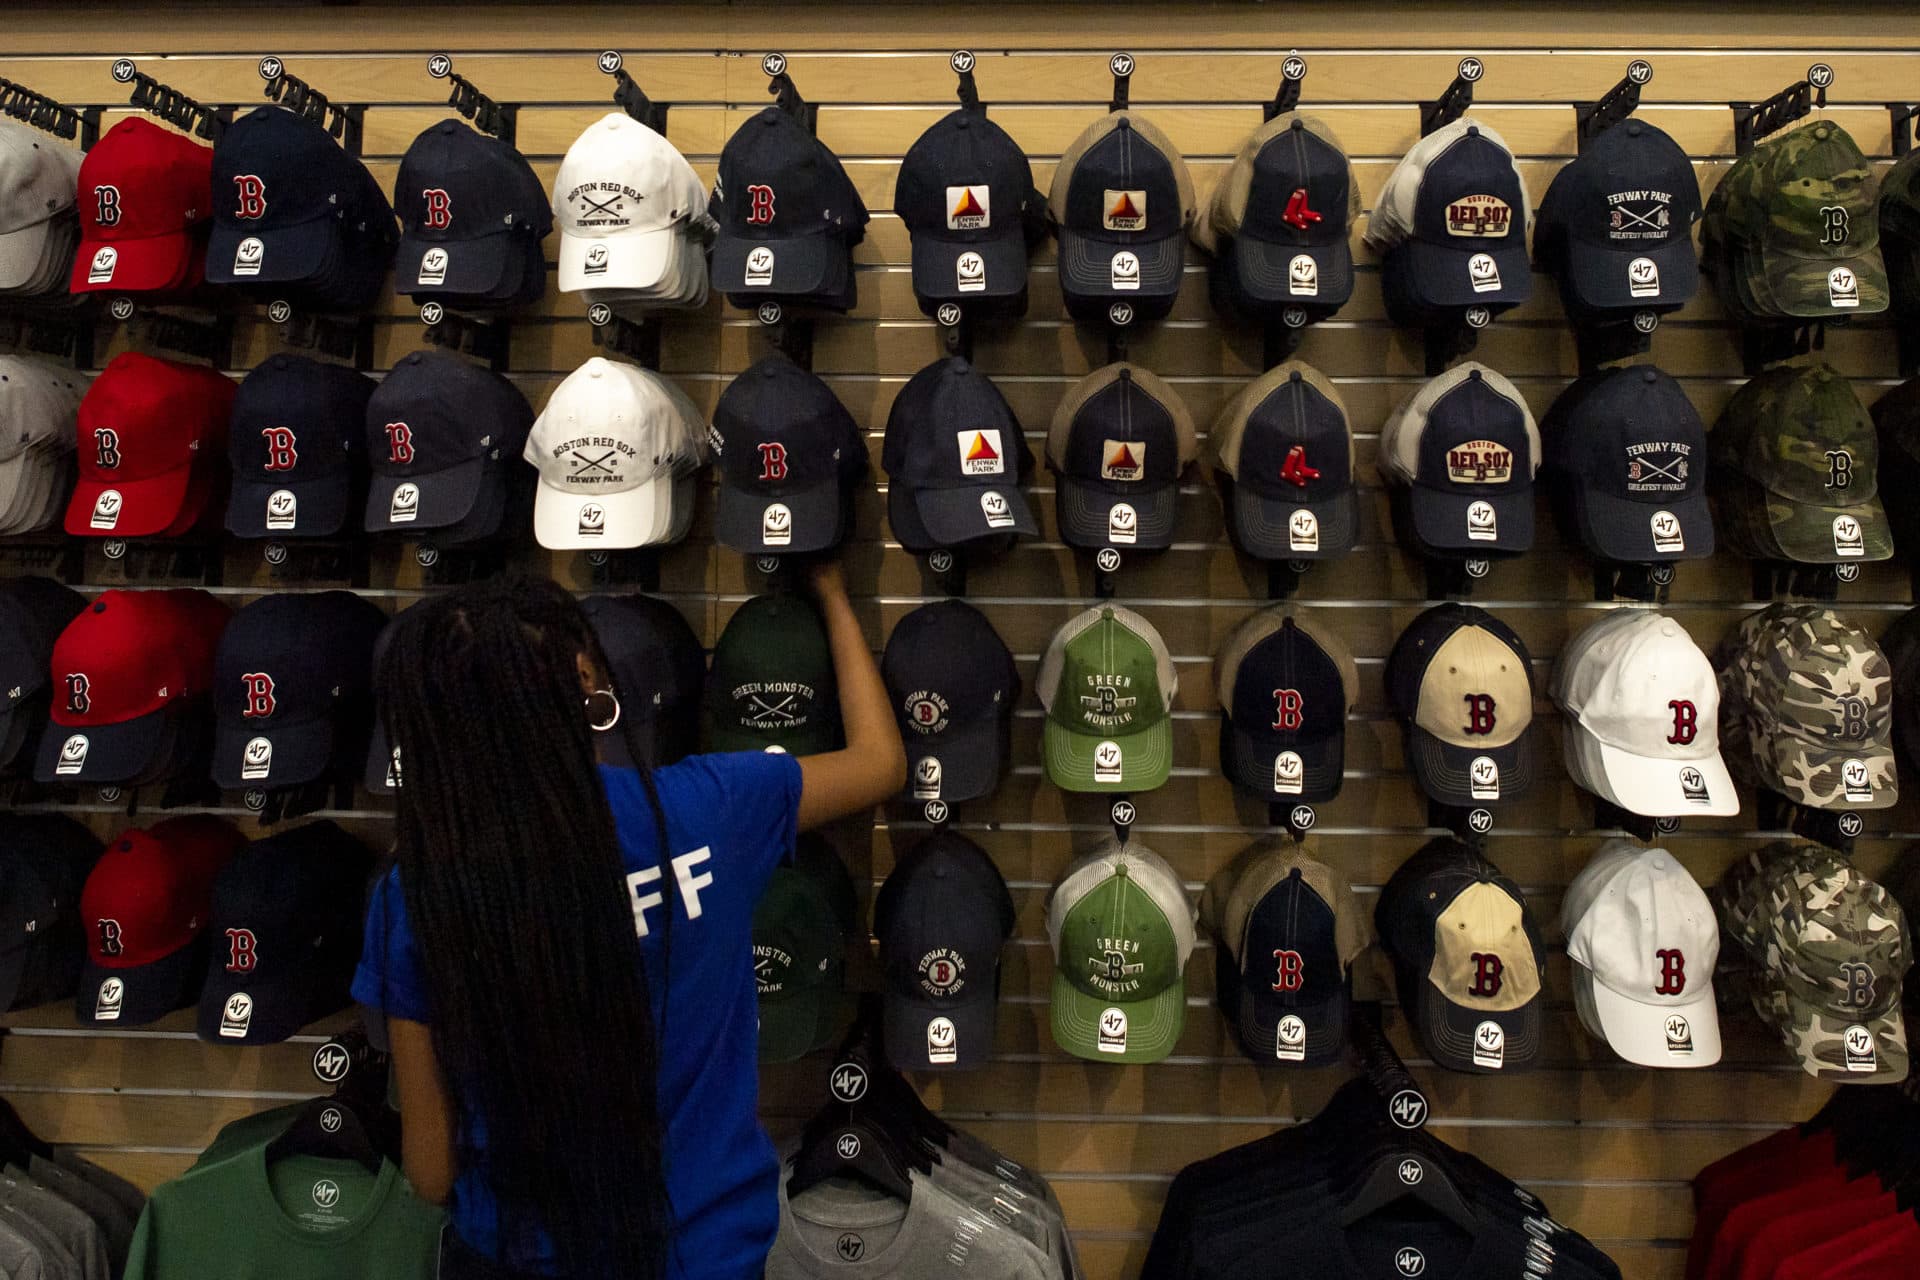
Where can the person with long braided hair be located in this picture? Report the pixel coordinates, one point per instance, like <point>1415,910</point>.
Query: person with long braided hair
<point>563,948</point>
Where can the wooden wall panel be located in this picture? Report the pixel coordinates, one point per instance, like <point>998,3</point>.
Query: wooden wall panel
<point>1609,1146</point>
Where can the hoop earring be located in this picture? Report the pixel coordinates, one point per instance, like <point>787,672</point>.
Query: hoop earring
<point>599,719</point>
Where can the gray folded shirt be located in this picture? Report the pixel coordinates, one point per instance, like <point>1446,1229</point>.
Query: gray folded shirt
<point>111,1216</point>
<point>76,1232</point>
<point>846,1230</point>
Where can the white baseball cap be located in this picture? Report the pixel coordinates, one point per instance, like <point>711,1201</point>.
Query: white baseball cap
<point>1643,713</point>
<point>39,178</point>
<point>1643,941</point>
<point>609,445</point>
<point>624,198</point>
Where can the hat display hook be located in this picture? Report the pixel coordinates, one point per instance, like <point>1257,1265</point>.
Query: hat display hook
<point>345,123</point>
<point>1761,347</point>
<point>1647,583</point>
<point>1122,66</point>
<point>786,94</point>
<point>1615,105</point>
<point>169,104</point>
<point>1406,1104</point>
<point>1293,75</point>
<point>499,119</point>
<point>37,110</point>
<point>630,97</point>
<point>1901,120</point>
<point>1603,344</point>
<point>1454,101</point>
<point>1834,828</point>
<point>1608,815</point>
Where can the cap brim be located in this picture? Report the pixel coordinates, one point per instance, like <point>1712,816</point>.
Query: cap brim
<point>1802,782</point>
<point>1798,286</point>
<point>1804,530</point>
<point>320,510</point>
<point>1449,1031</point>
<point>1621,529</point>
<point>280,1008</point>
<point>936,267</point>
<point>1440,521</point>
<point>1652,787</point>
<point>1638,1032</point>
<point>970,755</point>
<point>797,1025</point>
<point>147,507</point>
<point>1596,278</point>
<point>1086,265</point>
<point>1146,758</point>
<point>814,516</point>
<point>304,253</point>
<point>801,265</point>
<point>1260,1016</point>
<point>1819,1041</point>
<point>483,266</point>
<point>1086,511</point>
<point>300,754</point>
<point>1263,271</point>
<point>1265,529</point>
<point>1436,274</point>
<point>626,519</point>
<point>633,260</point>
<point>1443,771</point>
<point>1153,1025</point>
<point>24,252</point>
<point>124,752</point>
<point>974,1020</point>
<point>156,264</point>
<point>446,497</point>
<point>1248,760</point>
<point>149,991</point>
<point>955,516</point>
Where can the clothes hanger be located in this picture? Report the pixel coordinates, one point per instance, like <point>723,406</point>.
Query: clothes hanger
<point>1382,1180</point>
<point>874,1138</point>
<point>330,1128</point>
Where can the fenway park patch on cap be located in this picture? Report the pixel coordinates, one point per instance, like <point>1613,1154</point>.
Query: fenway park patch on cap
<point>980,452</point>
<point>1124,210</point>
<point>1122,460</point>
<point>1478,216</point>
<point>969,208</point>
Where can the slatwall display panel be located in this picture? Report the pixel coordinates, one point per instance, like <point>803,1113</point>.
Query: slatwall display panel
<point>1610,1146</point>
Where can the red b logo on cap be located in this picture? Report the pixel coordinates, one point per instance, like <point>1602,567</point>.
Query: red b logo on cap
<point>439,214</point>
<point>1487,975</point>
<point>1686,721</point>
<point>1673,971</point>
<point>242,951</point>
<point>773,461</point>
<point>110,943</point>
<point>106,448</point>
<point>1287,705</point>
<point>1289,970</point>
<point>759,206</point>
<point>260,700</point>
<point>1479,713</point>
<point>281,454</point>
<point>399,443</point>
<point>252,194</point>
<point>78,702</point>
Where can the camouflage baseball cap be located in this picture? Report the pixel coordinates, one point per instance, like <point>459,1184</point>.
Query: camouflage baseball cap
<point>1829,948</point>
<point>1815,703</point>
<point>1798,228</point>
<point>1900,231</point>
<point>1793,464</point>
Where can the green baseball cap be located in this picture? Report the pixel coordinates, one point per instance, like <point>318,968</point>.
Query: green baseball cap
<point>1107,683</point>
<point>772,685</point>
<point>1794,468</point>
<point>801,926</point>
<point>1122,931</point>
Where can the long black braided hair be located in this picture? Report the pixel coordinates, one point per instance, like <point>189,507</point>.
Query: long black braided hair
<point>512,876</point>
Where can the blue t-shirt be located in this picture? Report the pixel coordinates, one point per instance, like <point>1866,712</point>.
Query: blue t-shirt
<point>732,819</point>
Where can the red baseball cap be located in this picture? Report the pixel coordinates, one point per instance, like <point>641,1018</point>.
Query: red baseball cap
<point>124,674</point>
<point>146,204</point>
<point>144,905</point>
<point>148,429</point>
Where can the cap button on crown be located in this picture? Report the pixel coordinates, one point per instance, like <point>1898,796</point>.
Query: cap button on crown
<point>99,606</point>
<point>1473,131</point>
<point>1633,128</point>
<point>1649,376</point>
<point>1106,614</point>
<point>1123,123</point>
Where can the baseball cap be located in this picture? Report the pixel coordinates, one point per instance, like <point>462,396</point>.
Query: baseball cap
<point>955,458</point>
<point>382,776</point>
<point>1285,447</point>
<point>1807,708</point>
<point>1107,683</point>
<point>1122,202</point>
<point>284,935</point>
<point>1462,682</point>
<point>144,910</point>
<point>1616,225</point>
<point>33,613</point>
<point>966,193</point>
<point>41,946</point>
<point>152,435</point>
<point>1792,231</point>
<point>789,456</point>
<point>38,228</point>
<point>659,671</point>
<point>1451,223</point>
<point>1466,448</point>
<point>293,689</point>
<point>1896,419</point>
<point>1643,713</point>
<point>1643,940</point>
<point>772,685</point>
<point>953,685</point>
<point>1900,232</point>
<point>295,446</point>
<point>1626,456</point>
<point>629,206</point>
<point>443,437</point>
<point>1900,642</point>
<point>1468,958</point>
<point>39,411</point>
<point>1286,686</point>
<point>1121,930</point>
<point>611,445</point>
<point>1795,470</point>
<point>1119,443</point>
<point>131,674</point>
<point>1287,931</point>
<point>801,926</point>
<point>1280,221</point>
<point>1828,949</point>
<point>942,917</point>
<point>145,205</point>
<point>294,215</point>
<point>472,216</point>
<point>789,216</point>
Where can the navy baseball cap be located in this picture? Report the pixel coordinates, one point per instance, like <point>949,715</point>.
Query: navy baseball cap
<point>1121,202</point>
<point>953,686</point>
<point>659,672</point>
<point>1466,447</point>
<point>1453,222</point>
<point>1284,446</point>
<point>1626,454</point>
<point>33,613</point>
<point>295,445</point>
<point>942,917</point>
<point>293,689</point>
<point>47,858</point>
<point>790,455</point>
<point>1462,682</point>
<point>284,935</point>
<point>966,193</point>
<point>382,776</point>
<point>955,458</point>
<point>1286,687</point>
<point>1298,202</point>
<point>789,216</point>
<point>1616,225</point>
<point>472,216</point>
<point>444,438</point>
<point>1119,443</point>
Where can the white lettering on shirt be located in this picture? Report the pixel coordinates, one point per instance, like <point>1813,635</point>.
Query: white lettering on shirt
<point>689,884</point>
